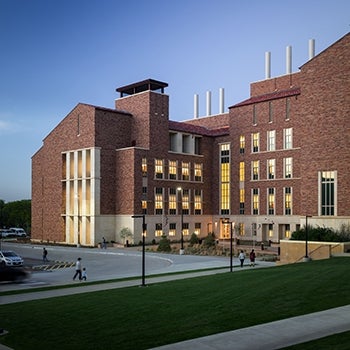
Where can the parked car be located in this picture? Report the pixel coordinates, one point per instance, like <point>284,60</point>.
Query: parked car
<point>10,258</point>
<point>18,232</point>
<point>5,233</point>
<point>12,274</point>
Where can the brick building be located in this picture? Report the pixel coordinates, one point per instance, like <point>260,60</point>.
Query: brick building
<point>265,165</point>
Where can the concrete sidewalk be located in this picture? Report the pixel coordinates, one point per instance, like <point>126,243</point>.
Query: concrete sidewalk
<point>273,335</point>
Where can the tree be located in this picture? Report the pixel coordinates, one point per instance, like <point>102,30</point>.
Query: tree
<point>164,245</point>
<point>125,233</point>
<point>16,214</point>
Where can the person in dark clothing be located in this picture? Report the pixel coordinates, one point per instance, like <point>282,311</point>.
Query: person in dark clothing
<point>252,258</point>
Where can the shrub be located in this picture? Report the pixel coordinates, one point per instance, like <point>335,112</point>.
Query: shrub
<point>194,239</point>
<point>164,245</point>
<point>323,234</point>
<point>209,241</point>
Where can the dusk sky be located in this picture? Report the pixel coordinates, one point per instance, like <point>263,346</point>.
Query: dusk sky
<point>55,54</point>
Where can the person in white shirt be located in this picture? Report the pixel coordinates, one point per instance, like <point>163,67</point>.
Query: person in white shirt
<point>77,269</point>
<point>241,257</point>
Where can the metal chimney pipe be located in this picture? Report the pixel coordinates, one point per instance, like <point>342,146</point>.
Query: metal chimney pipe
<point>288,60</point>
<point>195,106</point>
<point>267,65</point>
<point>221,100</point>
<point>311,48</point>
<point>208,102</point>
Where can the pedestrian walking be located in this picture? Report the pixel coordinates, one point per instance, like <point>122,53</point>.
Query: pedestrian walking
<point>77,269</point>
<point>104,243</point>
<point>84,274</point>
<point>252,258</point>
<point>241,257</point>
<point>45,255</point>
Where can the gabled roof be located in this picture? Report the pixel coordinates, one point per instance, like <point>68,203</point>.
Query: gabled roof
<point>268,97</point>
<point>197,130</point>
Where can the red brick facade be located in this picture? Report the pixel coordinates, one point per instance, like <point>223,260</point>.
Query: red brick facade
<point>88,178</point>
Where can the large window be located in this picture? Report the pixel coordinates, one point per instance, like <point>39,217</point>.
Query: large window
<point>255,142</point>
<point>197,202</point>
<point>172,201</point>
<point>271,201</point>
<point>287,162</point>
<point>241,200</point>
<point>255,201</point>
<point>144,166</point>
<point>255,170</point>
<point>172,169</point>
<point>287,200</point>
<point>158,201</point>
<point>198,172</point>
<point>185,170</point>
<point>186,202</point>
<point>271,140</point>
<point>159,168</point>
<point>225,179</point>
<point>241,171</point>
<point>271,169</point>
<point>288,138</point>
<point>327,187</point>
<point>241,144</point>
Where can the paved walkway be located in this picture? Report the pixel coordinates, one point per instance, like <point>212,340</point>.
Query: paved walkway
<point>269,336</point>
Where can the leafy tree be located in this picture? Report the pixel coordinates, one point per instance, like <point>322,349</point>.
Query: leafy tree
<point>323,234</point>
<point>209,241</point>
<point>125,233</point>
<point>194,239</point>
<point>16,214</point>
<point>164,245</point>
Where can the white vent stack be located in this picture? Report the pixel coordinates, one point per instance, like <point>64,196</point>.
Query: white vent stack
<point>311,48</point>
<point>221,100</point>
<point>267,65</point>
<point>208,103</point>
<point>196,106</point>
<point>288,60</point>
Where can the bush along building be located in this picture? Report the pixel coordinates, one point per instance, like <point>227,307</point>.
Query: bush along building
<point>258,171</point>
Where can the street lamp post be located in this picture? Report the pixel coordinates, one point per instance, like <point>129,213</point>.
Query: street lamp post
<point>182,224</point>
<point>231,234</point>
<point>306,238</point>
<point>143,247</point>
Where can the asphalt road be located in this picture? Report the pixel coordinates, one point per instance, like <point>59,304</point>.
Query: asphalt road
<point>103,264</point>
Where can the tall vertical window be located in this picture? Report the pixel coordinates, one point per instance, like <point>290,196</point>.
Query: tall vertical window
<point>144,166</point>
<point>172,201</point>
<point>287,108</point>
<point>185,171</point>
<point>255,170</point>
<point>241,201</point>
<point>159,168</point>
<point>172,169</point>
<point>271,169</point>
<point>271,201</point>
<point>241,230</point>
<point>270,230</point>
<point>197,202</point>
<point>288,138</point>
<point>271,140</point>
<point>158,230</point>
<point>197,228</point>
<point>144,207</point>
<point>225,179</point>
<point>255,142</point>
<point>287,162</point>
<point>241,171</point>
<point>287,233</point>
<point>255,201</point>
<point>255,115</point>
<point>287,200</point>
<point>270,112</point>
<point>241,144</point>
<point>327,187</point>
<point>158,201</point>
<point>172,229</point>
<point>198,172</point>
<point>186,202</point>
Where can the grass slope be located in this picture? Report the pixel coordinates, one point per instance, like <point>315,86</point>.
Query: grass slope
<point>140,318</point>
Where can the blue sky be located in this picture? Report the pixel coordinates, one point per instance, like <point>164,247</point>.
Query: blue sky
<point>55,54</point>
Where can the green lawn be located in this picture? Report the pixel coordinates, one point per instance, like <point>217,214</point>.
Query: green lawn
<point>144,317</point>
